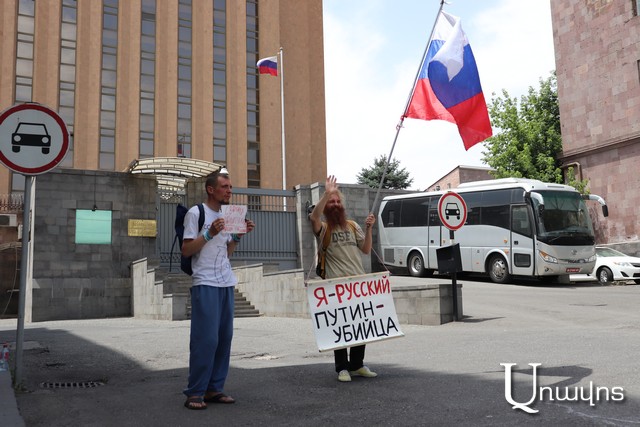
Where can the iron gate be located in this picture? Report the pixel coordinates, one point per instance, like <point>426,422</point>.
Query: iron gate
<point>272,242</point>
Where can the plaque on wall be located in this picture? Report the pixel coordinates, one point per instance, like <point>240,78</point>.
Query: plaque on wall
<point>142,228</point>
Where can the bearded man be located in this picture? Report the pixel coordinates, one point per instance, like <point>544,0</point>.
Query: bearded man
<point>343,258</point>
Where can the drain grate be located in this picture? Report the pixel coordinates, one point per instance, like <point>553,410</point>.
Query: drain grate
<point>83,384</point>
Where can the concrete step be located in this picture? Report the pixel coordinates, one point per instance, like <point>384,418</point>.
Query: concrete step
<point>242,307</point>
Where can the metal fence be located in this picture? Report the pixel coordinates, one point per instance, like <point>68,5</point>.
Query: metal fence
<point>13,202</point>
<point>273,242</point>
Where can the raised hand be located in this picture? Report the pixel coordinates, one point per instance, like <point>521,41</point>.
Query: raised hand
<point>330,184</point>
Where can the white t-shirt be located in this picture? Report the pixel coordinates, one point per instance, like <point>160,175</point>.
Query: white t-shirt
<point>211,266</point>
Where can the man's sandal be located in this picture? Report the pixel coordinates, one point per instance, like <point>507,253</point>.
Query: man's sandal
<point>219,398</point>
<point>195,402</point>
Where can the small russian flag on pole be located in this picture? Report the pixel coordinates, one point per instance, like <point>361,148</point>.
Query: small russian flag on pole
<point>268,65</point>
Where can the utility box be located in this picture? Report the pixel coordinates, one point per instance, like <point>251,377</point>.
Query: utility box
<point>449,260</point>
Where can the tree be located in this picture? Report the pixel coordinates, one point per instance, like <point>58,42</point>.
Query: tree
<point>396,178</point>
<point>528,141</point>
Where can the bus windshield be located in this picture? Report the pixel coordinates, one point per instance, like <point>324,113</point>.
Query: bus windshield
<point>562,219</point>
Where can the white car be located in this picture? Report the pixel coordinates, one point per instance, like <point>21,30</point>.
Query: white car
<point>612,265</point>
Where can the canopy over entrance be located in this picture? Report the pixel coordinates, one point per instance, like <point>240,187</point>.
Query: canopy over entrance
<point>172,172</point>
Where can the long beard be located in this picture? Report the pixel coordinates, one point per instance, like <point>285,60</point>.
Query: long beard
<point>336,217</point>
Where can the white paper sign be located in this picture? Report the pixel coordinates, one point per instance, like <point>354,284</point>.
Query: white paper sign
<point>234,216</point>
<point>354,310</point>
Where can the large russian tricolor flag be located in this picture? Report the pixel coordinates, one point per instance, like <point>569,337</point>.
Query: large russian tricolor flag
<point>268,65</point>
<point>448,86</point>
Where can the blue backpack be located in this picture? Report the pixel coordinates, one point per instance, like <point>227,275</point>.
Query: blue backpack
<point>181,212</point>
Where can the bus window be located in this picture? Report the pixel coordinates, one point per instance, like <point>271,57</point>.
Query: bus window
<point>414,212</point>
<point>390,213</point>
<point>520,221</point>
<point>473,202</point>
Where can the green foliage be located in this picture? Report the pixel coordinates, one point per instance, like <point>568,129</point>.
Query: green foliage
<point>396,177</point>
<point>580,185</point>
<point>528,139</point>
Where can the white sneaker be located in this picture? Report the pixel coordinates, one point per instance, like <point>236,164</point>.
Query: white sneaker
<point>344,376</point>
<point>364,372</point>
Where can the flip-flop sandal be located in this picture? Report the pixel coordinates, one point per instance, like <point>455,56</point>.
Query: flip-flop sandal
<point>219,398</point>
<point>195,402</point>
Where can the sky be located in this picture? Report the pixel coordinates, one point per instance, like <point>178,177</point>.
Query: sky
<point>372,52</point>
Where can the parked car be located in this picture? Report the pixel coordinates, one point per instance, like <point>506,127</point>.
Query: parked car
<point>612,265</point>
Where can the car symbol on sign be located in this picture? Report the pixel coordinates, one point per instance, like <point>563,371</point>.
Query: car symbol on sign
<point>452,209</point>
<point>31,135</point>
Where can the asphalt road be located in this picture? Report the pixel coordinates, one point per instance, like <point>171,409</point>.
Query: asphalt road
<point>585,337</point>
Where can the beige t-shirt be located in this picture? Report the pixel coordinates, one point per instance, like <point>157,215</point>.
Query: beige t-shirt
<point>343,256</point>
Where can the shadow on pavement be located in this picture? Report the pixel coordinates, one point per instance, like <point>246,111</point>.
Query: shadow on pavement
<point>144,389</point>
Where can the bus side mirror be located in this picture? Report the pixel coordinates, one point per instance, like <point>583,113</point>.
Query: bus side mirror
<point>605,208</point>
<point>538,198</point>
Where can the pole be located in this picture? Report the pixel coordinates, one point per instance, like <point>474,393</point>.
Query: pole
<point>24,265</point>
<point>454,284</point>
<point>284,153</point>
<point>399,125</point>
<point>284,146</point>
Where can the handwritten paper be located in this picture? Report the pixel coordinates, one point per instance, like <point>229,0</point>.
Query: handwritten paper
<point>234,216</point>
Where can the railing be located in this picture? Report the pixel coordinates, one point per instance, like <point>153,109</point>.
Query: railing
<point>13,202</point>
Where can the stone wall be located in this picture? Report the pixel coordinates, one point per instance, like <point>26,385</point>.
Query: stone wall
<point>79,281</point>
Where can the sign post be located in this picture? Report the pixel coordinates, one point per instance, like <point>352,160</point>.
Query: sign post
<point>33,140</point>
<point>452,211</point>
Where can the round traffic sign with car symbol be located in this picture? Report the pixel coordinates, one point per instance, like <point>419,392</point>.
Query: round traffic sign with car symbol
<point>33,139</point>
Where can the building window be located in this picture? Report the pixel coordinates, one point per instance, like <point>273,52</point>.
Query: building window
<point>636,7</point>
<point>24,67</point>
<point>24,51</point>
<point>147,78</point>
<point>253,113</point>
<point>67,83</point>
<point>184,78</point>
<point>220,81</point>
<point>107,156</point>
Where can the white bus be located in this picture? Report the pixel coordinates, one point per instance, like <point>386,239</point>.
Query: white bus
<point>514,226</point>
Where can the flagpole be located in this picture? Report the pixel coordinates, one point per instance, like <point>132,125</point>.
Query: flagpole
<point>399,125</point>
<point>284,153</point>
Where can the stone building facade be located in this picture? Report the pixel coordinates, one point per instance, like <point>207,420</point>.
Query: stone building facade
<point>597,49</point>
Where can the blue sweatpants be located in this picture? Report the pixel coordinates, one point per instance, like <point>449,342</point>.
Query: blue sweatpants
<point>210,342</point>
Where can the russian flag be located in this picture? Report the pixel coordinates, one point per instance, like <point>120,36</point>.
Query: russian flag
<point>268,65</point>
<point>448,86</point>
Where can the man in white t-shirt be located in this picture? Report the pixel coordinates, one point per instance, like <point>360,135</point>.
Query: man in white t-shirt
<point>212,296</point>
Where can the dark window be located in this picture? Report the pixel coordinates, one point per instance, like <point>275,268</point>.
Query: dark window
<point>473,202</point>
<point>520,222</point>
<point>522,260</point>
<point>414,212</point>
<point>390,213</point>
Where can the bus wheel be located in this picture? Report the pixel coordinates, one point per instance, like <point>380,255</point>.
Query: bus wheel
<point>498,270</point>
<point>604,275</point>
<point>416,264</point>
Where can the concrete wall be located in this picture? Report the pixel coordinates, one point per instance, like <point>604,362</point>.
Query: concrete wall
<point>79,281</point>
<point>149,299</point>
<point>284,294</point>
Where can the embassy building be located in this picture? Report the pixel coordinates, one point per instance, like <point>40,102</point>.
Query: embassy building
<point>597,50</point>
<point>136,79</point>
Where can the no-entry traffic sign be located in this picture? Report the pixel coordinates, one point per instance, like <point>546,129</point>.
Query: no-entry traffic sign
<point>452,210</point>
<point>33,139</point>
